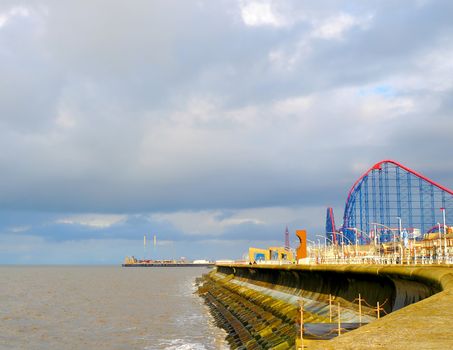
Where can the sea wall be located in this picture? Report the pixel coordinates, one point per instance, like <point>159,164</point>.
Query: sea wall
<point>268,289</point>
<point>401,286</point>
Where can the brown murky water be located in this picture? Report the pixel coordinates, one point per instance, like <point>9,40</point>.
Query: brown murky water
<point>104,308</point>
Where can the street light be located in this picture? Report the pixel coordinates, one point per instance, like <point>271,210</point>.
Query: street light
<point>401,237</point>
<point>336,251</point>
<point>445,234</point>
<point>319,245</point>
<point>331,241</point>
<point>328,239</point>
<point>377,240</point>
<point>392,230</point>
<point>356,238</point>
<point>440,240</point>
<point>384,226</point>
<point>343,236</point>
<point>443,214</point>
<point>400,228</point>
<point>311,248</point>
<point>363,233</point>
<point>375,236</point>
<point>325,244</point>
<point>342,244</point>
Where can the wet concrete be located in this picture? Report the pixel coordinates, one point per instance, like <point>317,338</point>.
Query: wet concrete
<point>418,303</point>
<point>427,324</point>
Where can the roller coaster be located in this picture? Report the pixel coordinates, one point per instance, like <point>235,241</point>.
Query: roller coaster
<point>391,200</point>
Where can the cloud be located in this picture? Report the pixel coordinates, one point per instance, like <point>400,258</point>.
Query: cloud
<point>16,11</point>
<point>336,26</point>
<point>93,220</point>
<point>260,13</point>
<point>19,229</point>
<point>205,222</point>
<point>200,120</point>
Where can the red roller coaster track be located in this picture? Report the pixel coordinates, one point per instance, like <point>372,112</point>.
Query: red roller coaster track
<point>377,166</point>
<point>387,192</point>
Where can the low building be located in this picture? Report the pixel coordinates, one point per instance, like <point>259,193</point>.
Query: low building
<point>271,254</point>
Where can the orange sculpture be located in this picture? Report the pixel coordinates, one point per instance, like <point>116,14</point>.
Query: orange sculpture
<point>301,252</point>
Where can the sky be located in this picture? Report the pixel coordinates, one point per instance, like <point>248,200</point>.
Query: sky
<point>210,124</point>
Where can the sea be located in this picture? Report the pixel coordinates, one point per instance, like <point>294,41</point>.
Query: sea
<point>108,307</point>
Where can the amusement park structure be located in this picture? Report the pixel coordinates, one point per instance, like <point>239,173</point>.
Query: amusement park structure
<point>392,202</point>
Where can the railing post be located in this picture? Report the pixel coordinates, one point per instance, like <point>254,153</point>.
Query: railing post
<point>339,319</point>
<point>360,310</point>
<point>330,308</point>
<point>378,311</point>
<point>301,304</point>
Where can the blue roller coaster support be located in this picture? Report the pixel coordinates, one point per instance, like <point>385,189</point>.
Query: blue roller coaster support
<point>394,191</point>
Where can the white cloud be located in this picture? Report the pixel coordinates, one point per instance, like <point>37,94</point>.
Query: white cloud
<point>29,249</point>
<point>292,105</point>
<point>3,19</point>
<point>204,222</point>
<point>65,121</point>
<point>286,58</point>
<point>434,70</point>
<point>93,220</point>
<point>215,222</point>
<point>284,215</point>
<point>18,11</point>
<point>19,229</point>
<point>382,108</point>
<point>260,13</point>
<point>336,26</point>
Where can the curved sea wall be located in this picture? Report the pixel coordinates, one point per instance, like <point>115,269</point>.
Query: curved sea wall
<point>258,304</point>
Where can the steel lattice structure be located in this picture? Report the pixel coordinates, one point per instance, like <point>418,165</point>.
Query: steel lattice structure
<point>330,227</point>
<point>388,191</point>
<point>287,245</point>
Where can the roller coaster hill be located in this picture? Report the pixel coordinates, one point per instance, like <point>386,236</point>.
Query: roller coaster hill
<point>395,209</point>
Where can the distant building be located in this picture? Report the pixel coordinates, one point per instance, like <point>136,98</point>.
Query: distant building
<point>271,254</point>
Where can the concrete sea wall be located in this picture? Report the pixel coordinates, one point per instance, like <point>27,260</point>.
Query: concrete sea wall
<point>258,305</point>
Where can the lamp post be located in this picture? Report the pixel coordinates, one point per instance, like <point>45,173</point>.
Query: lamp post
<point>336,250</point>
<point>401,237</point>
<point>325,244</point>
<point>311,248</point>
<point>445,234</point>
<point>319,249</point>
<point>400,227</point>
<point>343,237</point>
<point>388,229</point>
<point>363,234</point>
<point>375,235</point>
<point>334,239</point>
<point>439,249</point>
<point>348,241</point>
<point>377,240</point>
<point>356,237</point>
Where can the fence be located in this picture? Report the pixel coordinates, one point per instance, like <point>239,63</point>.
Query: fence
<point>340,327</point>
